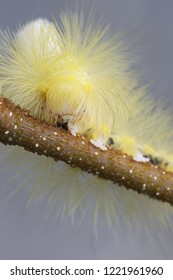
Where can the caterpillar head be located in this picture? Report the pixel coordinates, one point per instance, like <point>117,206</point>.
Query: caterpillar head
<point>70,87</point>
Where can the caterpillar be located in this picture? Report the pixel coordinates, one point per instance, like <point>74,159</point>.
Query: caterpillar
<point>69,73</point>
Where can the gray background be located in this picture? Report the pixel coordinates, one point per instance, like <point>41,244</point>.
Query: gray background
<point>23,231</point>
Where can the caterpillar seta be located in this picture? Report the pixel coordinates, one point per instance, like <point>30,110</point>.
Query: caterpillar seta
<point>70,73</point>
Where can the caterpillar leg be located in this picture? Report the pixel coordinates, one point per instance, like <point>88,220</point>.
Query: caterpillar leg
<point>97,136</point>
<point>99,143</point>
<point>140,157</point>
<point>128,145</point>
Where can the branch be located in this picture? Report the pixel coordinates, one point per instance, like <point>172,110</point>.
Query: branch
<point>17,127</point>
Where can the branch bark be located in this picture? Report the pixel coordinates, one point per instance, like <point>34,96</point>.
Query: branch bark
<point>17,127</point>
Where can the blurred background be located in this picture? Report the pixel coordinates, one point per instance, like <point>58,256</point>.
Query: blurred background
<point>24,233</point>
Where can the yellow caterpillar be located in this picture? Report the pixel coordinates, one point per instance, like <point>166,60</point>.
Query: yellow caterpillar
<point>69,72</point>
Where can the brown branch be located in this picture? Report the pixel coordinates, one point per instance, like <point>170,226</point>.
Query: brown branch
<point>17,127</point>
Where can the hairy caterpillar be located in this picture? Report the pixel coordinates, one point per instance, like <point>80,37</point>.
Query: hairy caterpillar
<point>69,73</point>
